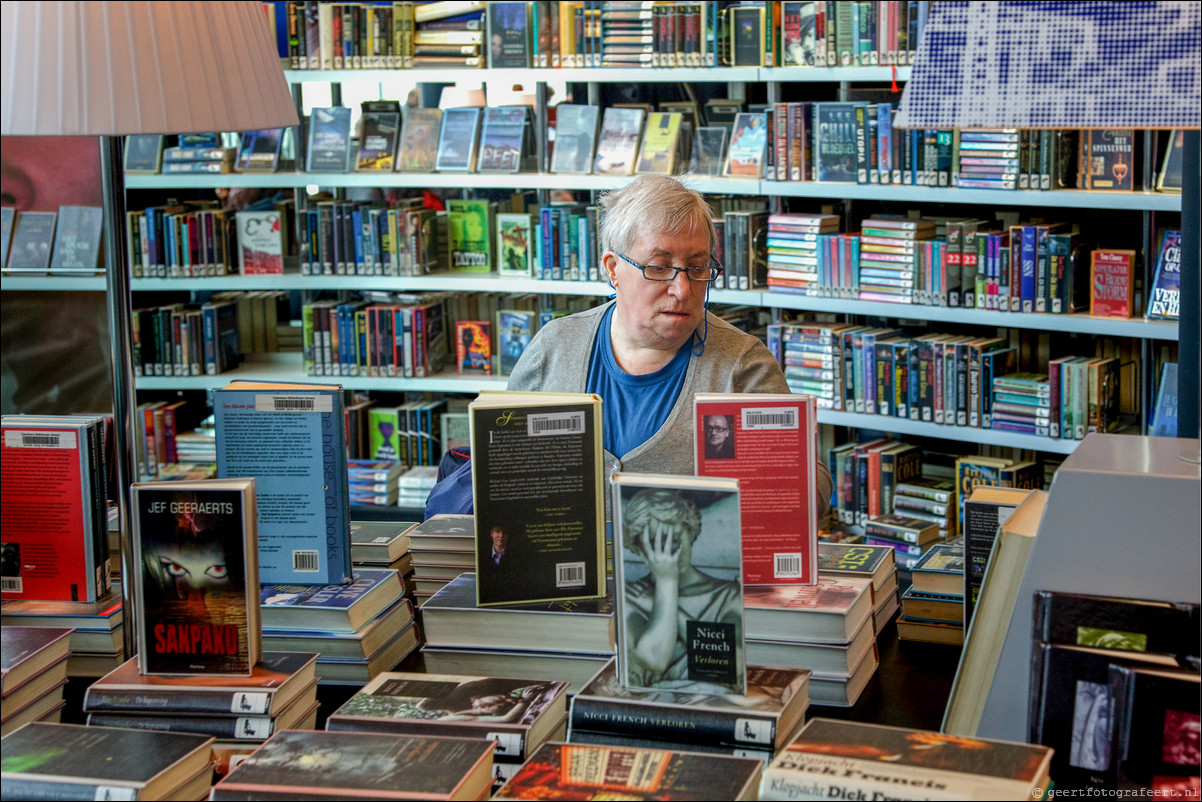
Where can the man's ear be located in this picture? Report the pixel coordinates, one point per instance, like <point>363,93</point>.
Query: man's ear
<point>609,263</point>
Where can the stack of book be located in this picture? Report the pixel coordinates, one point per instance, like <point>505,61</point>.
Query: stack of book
<point>929,499</point>
<point>383,544</point>
<point>811,358</point>
<point>373,482</point>
<point>33,671</point>
<point>1022,403</point>
<point>933,605</point>
<point>866,562</point>
<point>826,627</point>
<point>359,630</point>
<point>561,640</point>
<point>989,159</point>
<point>443,547</point>
<point>908,536</point>
<point>448,42</point>
<point>97,629</point>
<point>415,485</point>
<point>240,712</point>
<point>753,725</point>
<point>888,264</point>
<point>185,159</point>
<point>519,714</point>
<point>793,243</point>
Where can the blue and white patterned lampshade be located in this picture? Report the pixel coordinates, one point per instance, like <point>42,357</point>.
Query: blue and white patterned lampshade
<point>1117,64</point>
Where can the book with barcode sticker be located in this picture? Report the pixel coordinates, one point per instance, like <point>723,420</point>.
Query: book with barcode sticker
<point>334,608</point>
<point>766,441</point>
<point>291,438</point>
<point>539,502</point>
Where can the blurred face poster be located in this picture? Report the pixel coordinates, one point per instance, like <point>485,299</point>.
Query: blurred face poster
<point>53,345</point>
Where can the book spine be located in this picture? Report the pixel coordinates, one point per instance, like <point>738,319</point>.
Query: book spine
<point>142,701</point>
<point>242,728</point>
<point>679,724</point>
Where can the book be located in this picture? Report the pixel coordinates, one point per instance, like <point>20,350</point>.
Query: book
<point>418,149</point>
<point>70,761</point>
<point>747,36</point>
<point>709,150</point>
<point>767,442</point>
<point>451,618</point>
<point>329,140</point>
<point>518,713</point>
<point>1165,298</point>
<point>515,327</point>
<point>575,138</point>
<point>1168,178</point>
<point>1164,414</point>
<point>509,35</point>
<point>830,611</point>
<point>1120,624</point>
<point>972,471</point>
<point>995,607</point>
<point>32,240</point>
<point>515,244</point>
<point>748,142</point>
<point>8,217</point>
<point>103,614</point>
<point>1107,159</point>
<point>1112,282</point>
<point>1155,718</point>
<point>765,718</point>
<point>380,131</point>
<point>259,151</point>
<point>260,243</point>
<point>618,142</point>
<point>77,239</point>
<point>503,139</point>
<point>379,541</point>
<point>659,144</point>
<point>339,608</point>
<point>827,660</point>
<point>470,226</point>
<point>197,610</point>
<point>834,148</point>
<point>564,771</point>
<point>473,347</point>
<point>850,760</point>
<point>875,563</point>
<point>660,518</point>
<point>360,765</point>
<point>274,682</point>
<point>940,571</point>
<point>303,519</point>
<point>26,653</point>
<point>932,607</point>
<point>457,139</point>
<point>143,154</point>
<point>553,545</point>
<point>985,509</point>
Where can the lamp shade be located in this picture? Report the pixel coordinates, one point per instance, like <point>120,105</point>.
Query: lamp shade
<point>118,68</point>
<point>1107,64</point>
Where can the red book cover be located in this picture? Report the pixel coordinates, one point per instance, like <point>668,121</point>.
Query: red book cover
<point>767,442</point>
<point>1111,285</point>
<point>473,346</point>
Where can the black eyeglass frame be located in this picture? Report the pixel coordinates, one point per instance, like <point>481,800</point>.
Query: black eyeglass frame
<point>715,269</point>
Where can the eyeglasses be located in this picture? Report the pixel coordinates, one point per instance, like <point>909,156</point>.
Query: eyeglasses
<point>664,273</point>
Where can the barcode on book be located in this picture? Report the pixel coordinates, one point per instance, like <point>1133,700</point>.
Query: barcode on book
<point>770,418</point>
<point>11,584</point>
<point>753,730</point>
<point>305,560</point>
<point>265,402</point>
<point>552,423</point>
<point>508,743</point>
<point>116,793</point>
<point>250,703</point>
<point>569,575</point>
<point>788,566</point>
<point>23,438</point>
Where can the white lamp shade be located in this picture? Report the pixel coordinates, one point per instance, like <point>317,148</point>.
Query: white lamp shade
<point>117,68</point>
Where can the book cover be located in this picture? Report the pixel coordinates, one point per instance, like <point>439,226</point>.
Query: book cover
<point>575,138</point>
<point>747,36</point>
<point>545,449</point>
<point>775,704</point>
<point>143,154</point>
<point>340,608</point>
<point>970,472</point>
<point>515,244</point>
<point>473,347</point>
<point>198,611</point>
<point>457,139</point>
<point>379,541</point>
<point>70,761</point>
<point>259,151</point>
<point>835,141</point>
<point>1155,724</point>
<point>940,571</point>
<point>854,759</point>
<point>985,510</point>
<point>748,142</point>
<point>335,765</point>
<point>418,151</point>
<point>502,139</point>
<point>32,239</point>
<point>1165,299</point>
<point>767,442</point>
<point>469,228</point>
<point>509,35</point>
<point>618,142</point>
<point>678,575</point>
<point>303,519</point>
<point>1121,624</point>
<point>560,771</point>
<point>797,34</point>
<point>518,713</point>
<point>1112,282</point>
<point>657,151</point>
<point>77,239</point>
<point>378,141</point>
<point>1107,159</point>
<point>852,559</point>
<point>830,611</point>
<point>260,243</point>
<point>329,140</point>
<point>514,330</point>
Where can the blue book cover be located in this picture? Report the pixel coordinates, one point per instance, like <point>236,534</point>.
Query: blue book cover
<point>292,439</point>
<point>1028,268</point>
<point>1165,300</point>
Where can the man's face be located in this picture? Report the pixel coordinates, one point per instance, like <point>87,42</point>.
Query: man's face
<point>499,538</point>
<point>716,430</point>
<point>660,314</point>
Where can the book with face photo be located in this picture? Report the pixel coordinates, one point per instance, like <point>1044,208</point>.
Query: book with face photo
<point>457,139</point>
<point>329,140</point>
<point>618,143</point>
<point>419,140</point>
<point>260,150</point>
<point>575,138</point>
<point>378,141</point>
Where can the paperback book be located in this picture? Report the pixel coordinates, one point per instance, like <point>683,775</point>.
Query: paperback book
<point>77,239</point>
<point>473,347</point>
<point>339,608</point>
<point>329,140</point>
<point>1164,302</point>
<point>260,150</point>
<point>198,589</point>
<point>657,152</point>
<point>575,138</point>
<point>502,139</point>
<point>515,244</point>
<point>260,243</point>
<point>457,139</point>
<point>618,142</point>
<point>515,327</point>
<point>680,525</point>
<point>419,140</point>
<point>831,611</point>
<point>748,144</point>
<point>378,141</point>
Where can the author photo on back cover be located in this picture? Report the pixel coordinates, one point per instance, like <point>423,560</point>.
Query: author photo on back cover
<point>719,436</point>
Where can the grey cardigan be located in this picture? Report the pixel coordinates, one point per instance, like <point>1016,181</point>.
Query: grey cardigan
<point>557,360</point>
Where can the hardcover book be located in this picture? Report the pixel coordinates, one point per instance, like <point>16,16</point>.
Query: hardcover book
<point>940,571</point>
<point>260,243</point>
<point>852,760</point>
<point>509,35</point>
<point>77,239</point>
<point>339,608</point>
<point>1165,299</point>
<point>473,347</point>
<point>198,605</point>
<point>502,139</point>
<point>552,545</point>
<point>419,140</point>
<point>1155,723</point>
<point>379,541</point>
<point>657,152</point>
<point>143,154</point>
<point>70,761</point>
<point>1112,282</point>
<point>831,611</point>
<point>1121,624</point>
<point>27,652</point>
<point>518,713</point>
<point>457,139</point>
<point>329,140</point>
<point>360,765</point>
<point>618,142</point>
<point>748,143</point>
<point>560,771</point>
<point>32,238</point>
<point>767,442</point>
<point>515,244</point>
<point>765,718</point>
<point>679,526</point>
<point>575,138</point>
<point>378,141</point>
<point>850,559</point>
<point>303,519</point>
<point>260,150</point>
<point>1107,159</point>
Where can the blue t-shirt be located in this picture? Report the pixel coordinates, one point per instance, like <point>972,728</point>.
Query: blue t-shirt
<point>633,407</point>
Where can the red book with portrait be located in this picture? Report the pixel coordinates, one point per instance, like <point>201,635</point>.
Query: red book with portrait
<point>198,580</point>
<point>767,442</point>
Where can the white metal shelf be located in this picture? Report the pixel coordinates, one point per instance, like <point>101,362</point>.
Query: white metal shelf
<point>39,283</point>
<point>964,434</point>
<point>614,75</point>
